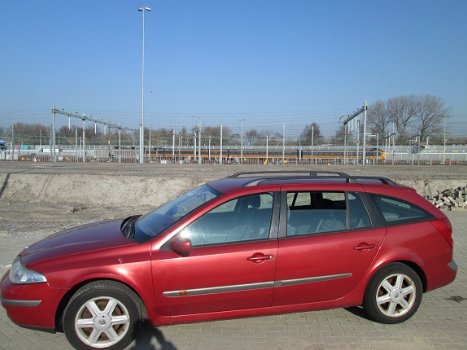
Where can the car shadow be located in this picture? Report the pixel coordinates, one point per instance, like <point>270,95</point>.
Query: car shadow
<point>144,339</point>
<point>358,311</point>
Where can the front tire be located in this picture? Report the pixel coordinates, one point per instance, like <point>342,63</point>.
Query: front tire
<point>102,315</point>
<point>394,294</point>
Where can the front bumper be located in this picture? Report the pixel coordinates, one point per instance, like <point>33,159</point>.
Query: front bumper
<point>30,305</point>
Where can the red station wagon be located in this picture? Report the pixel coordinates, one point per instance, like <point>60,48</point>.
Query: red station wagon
<point>247,245</point>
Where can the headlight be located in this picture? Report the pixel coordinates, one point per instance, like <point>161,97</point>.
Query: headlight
<point>19,274</point>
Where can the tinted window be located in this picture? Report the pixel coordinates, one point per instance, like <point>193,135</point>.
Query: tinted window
<point>359,217</point>
<point>242,219</point>
<point>315,212</point>
<point>155,222</point>
<point>396,210</point>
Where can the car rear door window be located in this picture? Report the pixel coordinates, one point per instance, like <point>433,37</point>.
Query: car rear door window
<point>320,212</point>
<point>359,217</point>
<point>315,212</point>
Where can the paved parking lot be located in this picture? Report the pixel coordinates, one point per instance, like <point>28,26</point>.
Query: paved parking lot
<point>441,321</point>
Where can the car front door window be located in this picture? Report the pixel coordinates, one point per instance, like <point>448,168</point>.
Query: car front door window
<point>246,218</point>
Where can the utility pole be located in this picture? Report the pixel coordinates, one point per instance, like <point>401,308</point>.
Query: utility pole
<point>377,148</point>
<point>351,117</point>
<point>444,142</point>
<point>364,132</point>
<point>312,141</point>
<point>119,144</point>
<point>12,141</point>
<point>393,142</point>
<point>194,144</point>
<point>83,118</point>
<point>267,149</point>
<point>173,145</point>
<point>358,141</point>
<point>143,10</point>
<point>199,140</point>
<point>84,140</point>
<point>345,143</point>
<point>241,139</point>
<point>149,143</point>
<point>76,144</point>
<point>283,143</point>
<point>220,147</point>
<point>53,137</point>
<point>209,148</point>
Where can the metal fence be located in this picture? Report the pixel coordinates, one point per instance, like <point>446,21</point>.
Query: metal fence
<point>324,155</point>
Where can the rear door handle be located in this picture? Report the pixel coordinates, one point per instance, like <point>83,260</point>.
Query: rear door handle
<point>364,246</point>
<point>259,258</point>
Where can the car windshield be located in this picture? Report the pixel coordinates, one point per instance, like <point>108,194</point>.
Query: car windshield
<point>158,220</point>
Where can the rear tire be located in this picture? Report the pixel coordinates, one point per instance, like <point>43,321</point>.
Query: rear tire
<point>393,294</point>
<point>102,315</point>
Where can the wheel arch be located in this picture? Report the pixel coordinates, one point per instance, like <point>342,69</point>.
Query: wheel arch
<point>414,266</point>
<point>418,270</point>
<point>390,309</point>
<point>66,298</point>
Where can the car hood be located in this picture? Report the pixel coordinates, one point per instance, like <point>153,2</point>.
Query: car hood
<point>77,240</point>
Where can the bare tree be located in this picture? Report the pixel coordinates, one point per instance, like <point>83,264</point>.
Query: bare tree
<point>338,138</point>
<point>402,110</point>
<point>379,118</point>
<point>29,134</point>
<point>413,116</point>
<point>310,130</point>
<point>215,132</point>
<point>430,114</point>
<point>252,137</point>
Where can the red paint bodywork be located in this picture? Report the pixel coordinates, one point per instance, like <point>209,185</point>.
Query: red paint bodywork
<point>100,252</point>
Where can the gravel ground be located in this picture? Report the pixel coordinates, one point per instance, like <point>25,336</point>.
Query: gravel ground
<point>209,171</point>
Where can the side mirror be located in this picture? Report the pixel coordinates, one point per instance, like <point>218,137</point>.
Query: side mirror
<point>181,246</point>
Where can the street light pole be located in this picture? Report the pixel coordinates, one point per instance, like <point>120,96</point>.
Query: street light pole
<point>444,142</point>
<point>141,127</point>
<point>312,141</point>
<point>365,109</point>
<point>241,139</point>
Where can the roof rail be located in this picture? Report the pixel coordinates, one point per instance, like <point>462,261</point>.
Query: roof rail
<point>297,173</point>
<point>383,180</point>
<point>261,176</point>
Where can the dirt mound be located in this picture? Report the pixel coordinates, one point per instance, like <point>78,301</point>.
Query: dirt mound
<point>130,190</point>
<point>93,190</point>
<point>148,185</point>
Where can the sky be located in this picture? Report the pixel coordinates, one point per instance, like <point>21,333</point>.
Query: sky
<point>262,64</point>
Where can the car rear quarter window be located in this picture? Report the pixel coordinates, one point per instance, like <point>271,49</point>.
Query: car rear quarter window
<point>395,210</point>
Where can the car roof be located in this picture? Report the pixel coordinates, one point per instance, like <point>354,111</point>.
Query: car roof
<point>255,179</point>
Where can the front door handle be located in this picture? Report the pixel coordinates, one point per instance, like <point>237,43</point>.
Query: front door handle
<point>364,246</point>
<point>259,258</point>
